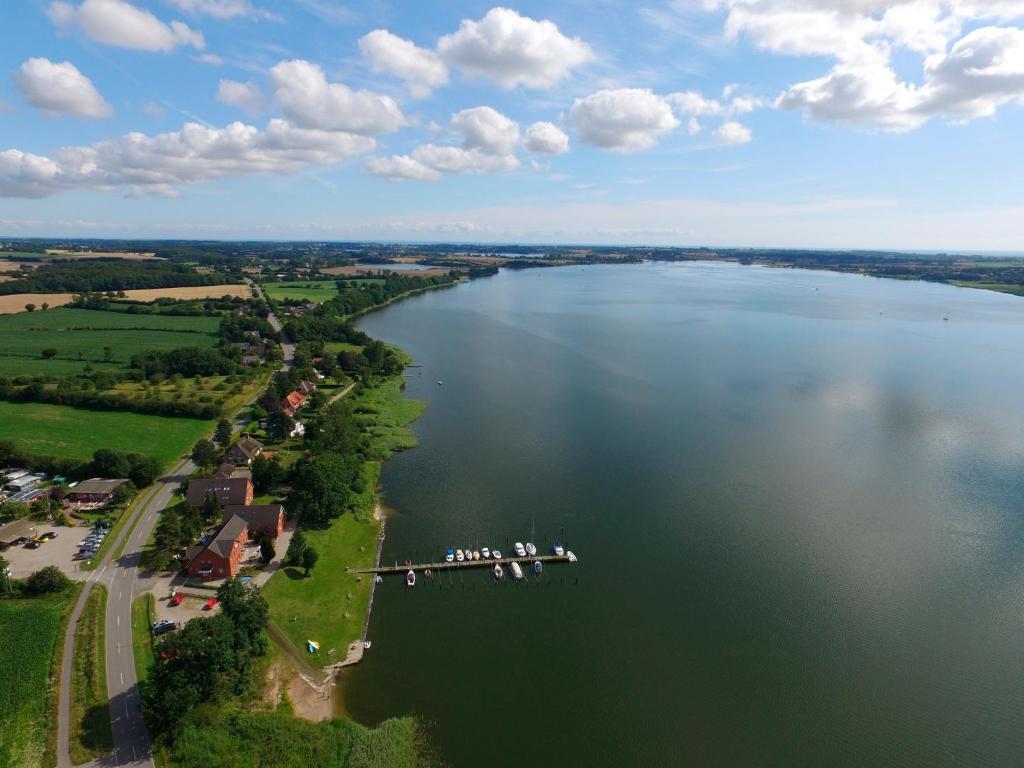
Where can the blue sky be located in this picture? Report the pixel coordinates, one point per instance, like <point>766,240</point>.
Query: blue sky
<point>822,123</point>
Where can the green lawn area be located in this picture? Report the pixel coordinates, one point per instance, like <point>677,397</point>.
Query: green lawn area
<point>90,713</point>
<point>311,290</point>
<point>320,603</point>
<point>1016,290</point>
<point>143,616</point>
<point>33,366</point>
<point>31,639</point>
<point>81,335</point>
<point>73,433</point>
<point>387,412</point>
<point>334,347</point>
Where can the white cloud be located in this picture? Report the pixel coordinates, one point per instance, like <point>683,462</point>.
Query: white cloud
<point>152,109</point>
<point>961,79</point>
<point>60,89</point>
<point>513,50</point>
<point>159,164</point>
<point>731,133</point>
<point>246,96</point>
<point>419,68</point>
<point>693,126</point>
<point>210,58</point>
<point>401,168</point>
<point>310,101</point>
<point>546,139</point>
<point>694,103</point>
<point>623,120</point>
<point>222,9</point>
<point>489,142</point>
<point>486,129</point>
<point>121,24</point>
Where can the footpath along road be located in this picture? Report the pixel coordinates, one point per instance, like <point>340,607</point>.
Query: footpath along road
<point>132,746</point>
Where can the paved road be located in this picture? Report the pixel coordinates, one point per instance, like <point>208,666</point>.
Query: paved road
<point>131,738</point>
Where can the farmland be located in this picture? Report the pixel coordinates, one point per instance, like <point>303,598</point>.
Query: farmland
<point>57,430</point>
<point>314,290</point>
<point>30,634</point>
<point>15,302</point>
<point>82,336</point>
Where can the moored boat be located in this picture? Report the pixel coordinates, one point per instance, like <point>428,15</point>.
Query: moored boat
<point>571,556</point>
<point>476,554</point>
<point>497,570</point>
<point>449,556</point>
<point>538,567</point>
<point>559,549</point>
<point>485,553</point>
<point>520,552</point>
<point>459,556</point>
<point>410,578</point>
<point>497,554</point>
<point>531,550</point>
<point>516,570</point>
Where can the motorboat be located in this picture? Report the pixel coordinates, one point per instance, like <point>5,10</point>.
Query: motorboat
<point>559,549</point>
<point>449,556</point>
<point>538,567</point>
<point>410,578</point>
<point>571,556</point>
<point>520,552</point>
<point>459,556</point>
<point>476,554</point>
<point>497,571</point>
<point>496,554</point>
<point>485,553</point>
<point>530,549</point>
<point>516,570</point>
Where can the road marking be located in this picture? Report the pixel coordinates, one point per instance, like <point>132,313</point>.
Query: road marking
<point>119,620</point>
<point>122,678</point>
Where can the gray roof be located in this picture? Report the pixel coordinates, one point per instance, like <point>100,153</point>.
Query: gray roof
<point>226,537</point>
<point>98,485</point>
<point>244,450</point>
<point>230,490</point>
<point>259,516</point>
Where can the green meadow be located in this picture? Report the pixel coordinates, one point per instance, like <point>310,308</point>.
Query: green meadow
<point>313,290</point>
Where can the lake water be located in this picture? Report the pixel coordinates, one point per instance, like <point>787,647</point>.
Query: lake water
<point>797,499</point>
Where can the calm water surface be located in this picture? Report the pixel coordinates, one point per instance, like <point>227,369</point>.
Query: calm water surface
<point>797,498</point>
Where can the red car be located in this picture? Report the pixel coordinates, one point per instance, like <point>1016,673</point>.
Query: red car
<point>210,603</point>
<point>178,597</point>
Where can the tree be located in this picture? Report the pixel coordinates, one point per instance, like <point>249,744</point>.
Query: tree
<point>267,473</point>
<point>267,550</point>
<point>14,509</point>
<point>124,492</point>
<point>204,454</point>
<point>321,488</point>
<point>212,508</point>
<point>30,307</point>
<point>108,353</point>
<point>309,558</point>
<point>222,436</point>
<point>167,539</point>
<point>46,581</point>
<point>296,549</point>
<point>46,305</point>
<point>108,463</point>
<point>5,578</point>
<point>279,425</point>
<point>49,353</point>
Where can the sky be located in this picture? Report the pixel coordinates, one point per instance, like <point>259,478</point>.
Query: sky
<point>782,123</point>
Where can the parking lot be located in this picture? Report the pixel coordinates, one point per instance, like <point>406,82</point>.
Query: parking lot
<point>59,552</point>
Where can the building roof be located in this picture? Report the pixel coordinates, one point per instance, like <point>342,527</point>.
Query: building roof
<point>227,469</point>
<point>233,530</point>
<point>97,485</point>
<point>261,516</point>
<point>294,399</point>
<point>243,450</point>
<point>230,490</point>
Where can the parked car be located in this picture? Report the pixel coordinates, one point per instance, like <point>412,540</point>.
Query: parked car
<point>49,535</point>
<point>33,545</point>
<point>19,541</point>
<point>164,626</point>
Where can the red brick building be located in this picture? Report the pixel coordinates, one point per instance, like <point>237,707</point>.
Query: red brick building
<point>262,519</point>
<point>220,558</point>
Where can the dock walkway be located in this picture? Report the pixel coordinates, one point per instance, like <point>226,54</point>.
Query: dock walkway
<point>444,566</point>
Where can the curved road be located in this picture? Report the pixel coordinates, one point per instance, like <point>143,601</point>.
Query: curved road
<point>124,582</point>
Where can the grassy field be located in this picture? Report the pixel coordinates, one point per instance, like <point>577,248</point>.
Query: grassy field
<point>81,336</point>
<point>31,639</point>
<point>90,713</point>
<point>319,605</point>
<point>1016,290</point>
<point>143,616</point>
<point>314,290</point>
<point>58,430</point>
<point>386,413</point>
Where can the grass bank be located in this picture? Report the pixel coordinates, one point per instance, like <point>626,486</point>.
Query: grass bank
<point>90,713</point>
<point>31,645</point>
<point>143,616</point>
<point>310,290</point>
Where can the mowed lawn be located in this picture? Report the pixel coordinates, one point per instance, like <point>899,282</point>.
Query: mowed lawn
<point>29,637</point>
<point>74,433</point>
<point>320,603</point>
<point>313,290</point>
<point>81,336</point>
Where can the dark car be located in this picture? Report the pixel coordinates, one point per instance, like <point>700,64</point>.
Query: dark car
<point>164,626</point>
<point>19,541</point>
<point>33,545</point>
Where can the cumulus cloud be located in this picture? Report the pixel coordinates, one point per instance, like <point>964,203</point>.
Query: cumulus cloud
<point>222,9</point>
<point>546,139</point>
<point>121,24</point>
<point>623,120</point>
<point>419,68</point>
<point>732,133</point>
<point>159,164</point>
<point>489,142</point>
<point>246,96</point>
<point>963,76</point>
<point>310,101</point>
<point>513,50</point>
<point>60,89</point>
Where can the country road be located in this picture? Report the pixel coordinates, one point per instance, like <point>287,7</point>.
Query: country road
<point>132,746</point>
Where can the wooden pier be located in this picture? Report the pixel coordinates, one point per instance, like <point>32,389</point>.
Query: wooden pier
<point>481,563</point>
